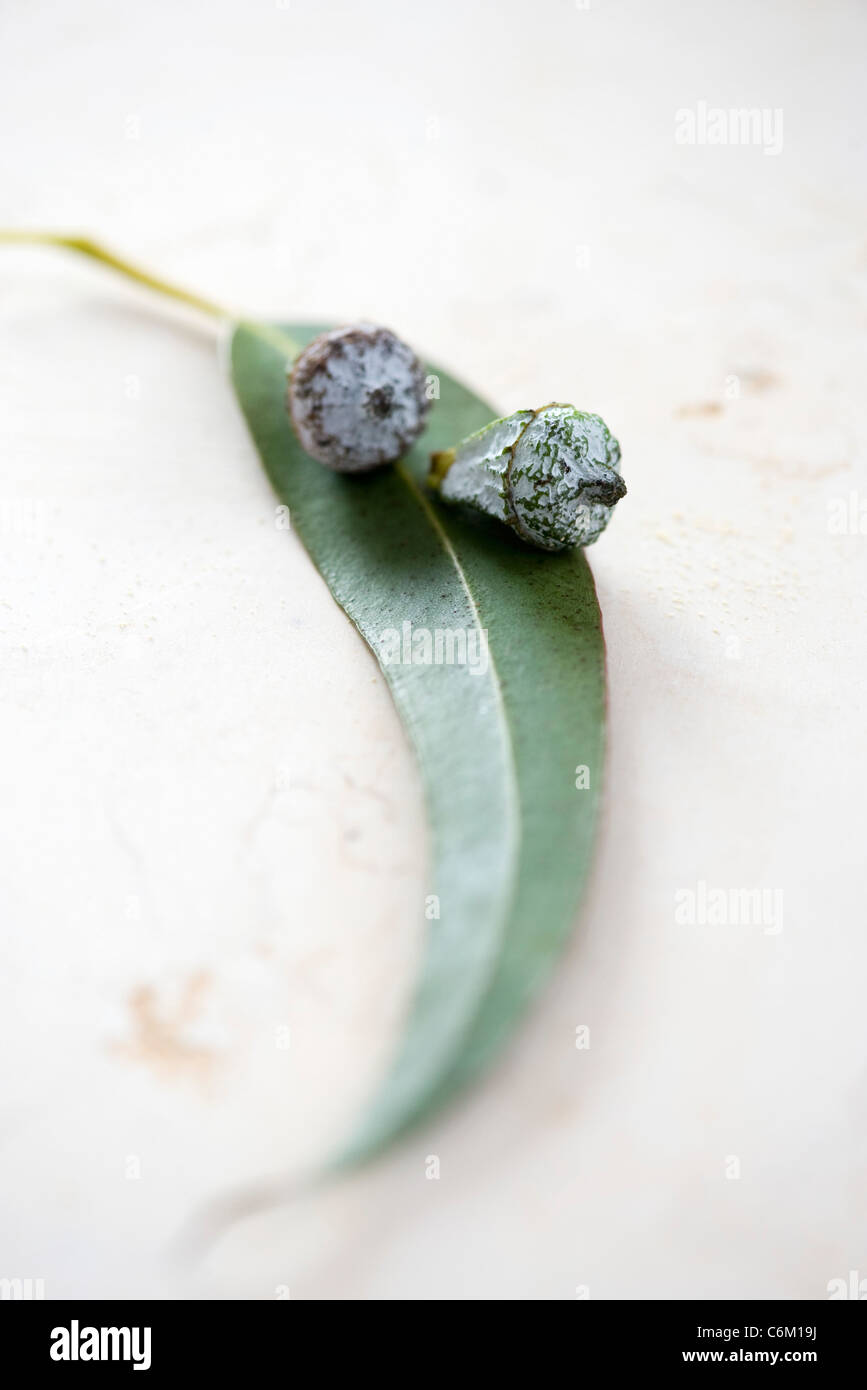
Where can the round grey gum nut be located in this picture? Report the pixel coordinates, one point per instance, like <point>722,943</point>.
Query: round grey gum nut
<point>356,396</point>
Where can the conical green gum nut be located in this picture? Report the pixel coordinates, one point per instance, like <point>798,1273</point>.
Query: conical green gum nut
<point>552,475</point>
<point>565,478</point>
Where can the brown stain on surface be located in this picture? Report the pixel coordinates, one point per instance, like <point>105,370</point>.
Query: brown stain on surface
<point>758,379</point>
<point>754,382</point>
<point>158,1032</point>
<point>699,410</point>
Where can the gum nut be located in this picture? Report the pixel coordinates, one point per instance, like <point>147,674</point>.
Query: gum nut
<point>565,479</point>
<point>552,475</point>
<point>357,398</point>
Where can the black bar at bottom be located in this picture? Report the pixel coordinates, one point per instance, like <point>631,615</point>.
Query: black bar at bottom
<point>159,1338</point>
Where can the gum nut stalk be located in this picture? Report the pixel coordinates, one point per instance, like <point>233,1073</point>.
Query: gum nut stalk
<point>357,397</point>
<point>553,475</point>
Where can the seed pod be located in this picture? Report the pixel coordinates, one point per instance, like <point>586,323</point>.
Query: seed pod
<point>357,398</point>
<point>553,475</point>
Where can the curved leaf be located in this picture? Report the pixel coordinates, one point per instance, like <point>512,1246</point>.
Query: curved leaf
<point>498,749</point>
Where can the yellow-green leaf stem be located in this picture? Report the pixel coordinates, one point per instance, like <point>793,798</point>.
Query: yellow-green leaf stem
<point>95,251</point>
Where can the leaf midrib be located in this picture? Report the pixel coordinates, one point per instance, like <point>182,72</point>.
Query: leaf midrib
<point>515,803</point>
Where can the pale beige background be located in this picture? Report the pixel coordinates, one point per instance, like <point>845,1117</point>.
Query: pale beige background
<point>211,823</point>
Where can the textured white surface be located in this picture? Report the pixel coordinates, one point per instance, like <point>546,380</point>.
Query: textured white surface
<point>211,822</point>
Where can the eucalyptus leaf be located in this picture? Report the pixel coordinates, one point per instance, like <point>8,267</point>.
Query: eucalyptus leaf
<point>498,748</point>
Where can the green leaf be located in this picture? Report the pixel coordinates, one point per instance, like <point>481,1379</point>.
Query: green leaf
<point>498,749</point>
